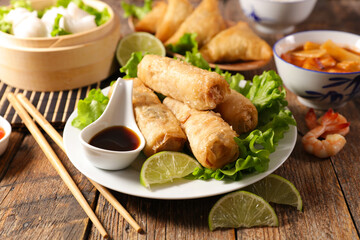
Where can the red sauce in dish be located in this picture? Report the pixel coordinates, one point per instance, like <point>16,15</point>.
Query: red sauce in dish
<point>2,133</point>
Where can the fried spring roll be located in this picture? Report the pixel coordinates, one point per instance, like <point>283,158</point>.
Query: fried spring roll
<point>152,20</point>
<point>198,88</point>
<point>156,122</point>
<point>239,112</point>
<point>211,139</point>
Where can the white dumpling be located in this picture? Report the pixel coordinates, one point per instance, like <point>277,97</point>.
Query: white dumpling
<point>17,15</point>
<point>49,18</point>
<point>30,26</point>
<point>80,25</point>
<point>75,12</point>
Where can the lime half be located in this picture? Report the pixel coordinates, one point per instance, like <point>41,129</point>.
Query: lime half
<point>241,209</point>
<point>277,189</point>
<point>138,42</point>
<point>166,166</point>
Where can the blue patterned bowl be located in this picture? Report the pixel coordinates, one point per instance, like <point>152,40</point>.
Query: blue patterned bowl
<point>277,16</point>
<point>320,90</point>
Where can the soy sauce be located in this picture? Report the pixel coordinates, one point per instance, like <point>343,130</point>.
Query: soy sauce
<point>116,138</point>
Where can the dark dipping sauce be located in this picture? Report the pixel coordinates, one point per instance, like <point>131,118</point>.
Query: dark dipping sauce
<point>116,138</point>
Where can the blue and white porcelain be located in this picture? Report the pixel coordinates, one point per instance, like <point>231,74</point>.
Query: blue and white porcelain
<point>320,90</point>
<point>277,16</point>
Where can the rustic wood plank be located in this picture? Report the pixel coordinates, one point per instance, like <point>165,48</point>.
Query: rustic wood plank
<point>347,162</point>
<point>35,203</point>
<point>160,219</point>
<point>15,141</point>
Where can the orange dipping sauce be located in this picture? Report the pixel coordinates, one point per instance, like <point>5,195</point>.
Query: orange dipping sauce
<point>2,133</point>
<point>326,57</point>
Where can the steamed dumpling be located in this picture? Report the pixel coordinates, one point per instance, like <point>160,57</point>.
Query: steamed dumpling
<point>74,19</point>
<point>30,26</point>
<point>25,23</point>
<point>49,18</point>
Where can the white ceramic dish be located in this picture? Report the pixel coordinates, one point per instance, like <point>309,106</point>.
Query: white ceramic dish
<point>127,180</point>
<point>320,90</point>
<point>113,115</point>
<point>4,142</point>
<point>277,16</point>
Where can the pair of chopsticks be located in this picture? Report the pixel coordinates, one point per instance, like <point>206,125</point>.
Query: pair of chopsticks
<point>20,103</point>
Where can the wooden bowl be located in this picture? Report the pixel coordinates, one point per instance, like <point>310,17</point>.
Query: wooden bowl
<point>60,63</point>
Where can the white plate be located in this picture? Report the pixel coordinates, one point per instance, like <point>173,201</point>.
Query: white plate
<point>127,180</point>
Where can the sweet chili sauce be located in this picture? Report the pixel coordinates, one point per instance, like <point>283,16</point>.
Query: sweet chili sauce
<point>2,133</point>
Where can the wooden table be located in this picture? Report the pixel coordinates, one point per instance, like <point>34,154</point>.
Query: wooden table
<point>35,203</point>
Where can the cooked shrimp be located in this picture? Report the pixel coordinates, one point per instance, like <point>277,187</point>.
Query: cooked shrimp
<point>330,146</point>
<point>329,118</point>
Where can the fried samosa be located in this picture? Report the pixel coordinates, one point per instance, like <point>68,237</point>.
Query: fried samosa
<point>206,21</point>
<point>236,43</point>
<point>239,112</point>
<point>152,20</point>
<point>176,12</point>
<point>211,139</point>
<point>197,87</point>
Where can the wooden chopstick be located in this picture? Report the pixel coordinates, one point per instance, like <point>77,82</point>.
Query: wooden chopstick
<point>50,130</point>
<point>55,162</point>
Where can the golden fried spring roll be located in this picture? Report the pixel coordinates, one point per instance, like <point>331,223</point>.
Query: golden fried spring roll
<point>156,122</point>
<point>196,87</point>
<point>206,21</point>
<point>152,20</point>
<point>177,11</point>
<point>239,112</point>
<point>211,139</point>
<point>236,43</point>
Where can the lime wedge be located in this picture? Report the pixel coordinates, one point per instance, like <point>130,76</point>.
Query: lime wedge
<point>277,189</point>
<point>241,209</point>
<point>138,42</point>
<point>166,166</point>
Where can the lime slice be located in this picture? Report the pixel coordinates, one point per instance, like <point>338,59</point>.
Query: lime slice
<point>166,166</point>
<point>138,42</point>
<point>241,209</point>
<point>277,189</point>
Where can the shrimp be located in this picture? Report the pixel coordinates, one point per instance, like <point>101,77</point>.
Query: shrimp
<point>329,118</point>
<point>330,146</point>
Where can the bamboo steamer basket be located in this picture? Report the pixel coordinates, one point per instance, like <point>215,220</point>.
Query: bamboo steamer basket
<point>60,63</point>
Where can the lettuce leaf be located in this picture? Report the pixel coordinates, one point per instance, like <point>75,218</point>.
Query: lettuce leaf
<point>135,11</point>
<point>187,43</point>
<point>268,95</point>
<point>130,68</point>
<point>57,30</point>
<point>90,108</point>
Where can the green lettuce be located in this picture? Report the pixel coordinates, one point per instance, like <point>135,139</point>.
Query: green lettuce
<point>57,30</point>
<point>130,68</point>
<point>268,95</point>
<point>187,43</point>
<point>90,108</point>
<point>135,11</point>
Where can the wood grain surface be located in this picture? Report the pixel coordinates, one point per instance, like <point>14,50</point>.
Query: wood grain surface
<point>36,204</point>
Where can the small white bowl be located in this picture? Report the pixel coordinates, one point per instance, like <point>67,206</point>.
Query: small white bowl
<point>277,16</point>
<point>118,112</point>
<point>320,90</point>
<point>4,142</point>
